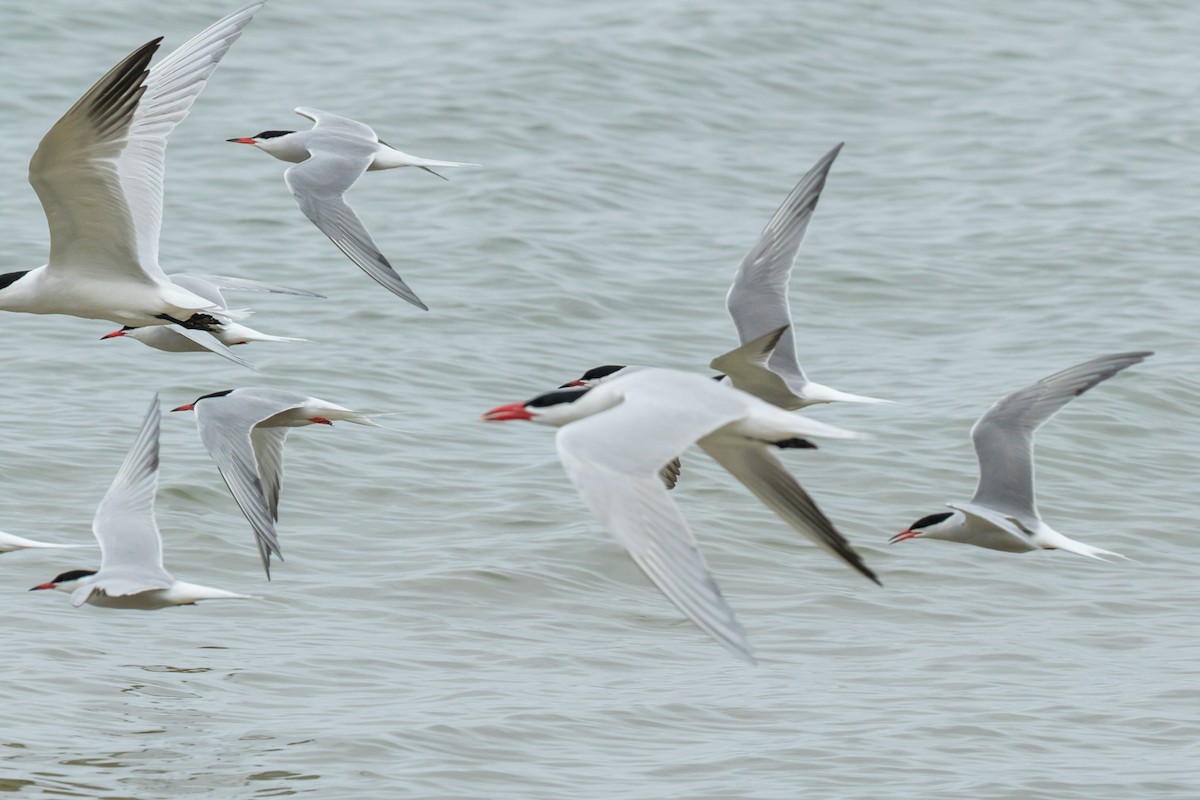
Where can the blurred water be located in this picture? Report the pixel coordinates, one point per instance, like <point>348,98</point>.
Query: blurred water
<point>1016,194</point>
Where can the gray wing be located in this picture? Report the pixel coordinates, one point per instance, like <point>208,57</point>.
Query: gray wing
<point>613,459</point>
<point>335,125</point>
<point>171,88</point>
<point>758,297</point>
<point>268,454</point>
<point>130,545</point>
<point>779,491</point>
<point>74,172</point>
<point>318,185</point>
<point>1003,436</point>
<point>99,170</point>
<point>746,367</point>
<point>210,343</point>
<point>226,426</point>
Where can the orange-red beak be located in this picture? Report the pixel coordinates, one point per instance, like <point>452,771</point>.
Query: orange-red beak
<point>185,407</point>
<point>112,335</point>
<point>44,586</point>
<point>242,140</point>
<point>903,536</point>
<point>510,411</point>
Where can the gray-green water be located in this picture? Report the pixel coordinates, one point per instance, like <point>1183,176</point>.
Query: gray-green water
<point>1018,193</point>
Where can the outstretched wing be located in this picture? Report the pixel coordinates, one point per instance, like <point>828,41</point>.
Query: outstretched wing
<point>1003,436</point>
<point>613,458</point>
<point>758,297</point>
<point>130,545</point>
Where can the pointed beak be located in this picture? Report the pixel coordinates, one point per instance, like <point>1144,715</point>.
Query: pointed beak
<point>112,335</point>
<point>903,536</point>
<point>41,586</point>
<point>570,384</point>
<point>243,140</point>
<point>185,407</point>
<point>510,411</point>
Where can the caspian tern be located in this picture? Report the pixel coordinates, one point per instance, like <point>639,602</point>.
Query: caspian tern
<point>99,175</point>
<point>758,303</point>
<point>175,340</point>
<point>9,543</point>
<point>1003,514</point>
<point>330,157</point>
<point>131,573</point>
<point>614,439</point>
<point>244,430</point>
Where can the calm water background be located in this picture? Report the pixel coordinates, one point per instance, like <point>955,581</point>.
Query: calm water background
<point>1018,193</point>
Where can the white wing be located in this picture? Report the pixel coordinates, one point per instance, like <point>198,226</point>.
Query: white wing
<point>75,174</point>
<point>130,545</point>
<point>99,170</point>
<point>226,427</point>
<point>1003,436</point>
<point>613,459</point>
<point>342,149</point>
<point>758,297</point>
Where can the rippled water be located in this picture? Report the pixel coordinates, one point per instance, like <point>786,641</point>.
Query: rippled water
<point>1017,193</point>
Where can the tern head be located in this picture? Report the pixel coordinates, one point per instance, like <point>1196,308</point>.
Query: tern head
<point>926,526</point>
<point>259,139</point>
<point>67,581</point>
<point>551,408</point>
<point>192,405</point>
<point>598,375</point>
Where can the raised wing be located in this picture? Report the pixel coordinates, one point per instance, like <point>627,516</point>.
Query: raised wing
<point>758,297</point>
<point>99,170</point>
<point>130,545</point>
<point>746,367</point>
<point>1003,436</point>
<point>318,185</point>
<point>762,474</point>
<point>75,174</point>
<point>613,459</point>
<point>333,124</point>
<point>226,426</point>
<point>171,88</point>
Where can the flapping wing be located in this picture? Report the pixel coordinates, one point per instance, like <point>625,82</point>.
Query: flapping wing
<point>1003,436</point>
<point>746,367</point>
<point>613,459</point>
<point>99,170</point>
<point>318,185</point>
<point>171,88</point>
<point>268,454</point>
<point>762,474</point>
<point>76,175</point>
<point>226,426</point>
<point>335,125</point>
<point>210,343</point>
<point>130,546</point>
<point>758,297</point>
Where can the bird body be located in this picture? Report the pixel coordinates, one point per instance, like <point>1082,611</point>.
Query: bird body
<point>1003,513</point>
